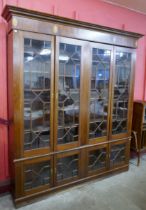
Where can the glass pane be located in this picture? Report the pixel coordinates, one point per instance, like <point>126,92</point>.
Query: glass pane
<point>117,155</point>
<point>37,71</point>
<point>121,92</point>
<point>67,167</point>
<point>97,159</point>
<point>69,93</point>
<point>36,175</point>
<point>99,92</point>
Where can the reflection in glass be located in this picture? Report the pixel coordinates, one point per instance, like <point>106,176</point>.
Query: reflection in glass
<point>68,93</point>
<point>99,92</point>
<point>97,159</point>
<point>37,71</point>
<point>67,167</point>
<point>117,155</point>
<point>36,175</point>
<point>121,92</point>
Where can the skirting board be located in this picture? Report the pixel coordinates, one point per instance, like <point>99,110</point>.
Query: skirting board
<point>4,186</point>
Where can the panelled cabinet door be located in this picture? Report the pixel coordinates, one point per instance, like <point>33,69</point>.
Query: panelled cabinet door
<point>67,167</point>
<point>99,93</point>
<point>68,91</point>
<point>122,92</point>
<point>34,175</point>
<point>119,153</point>
<point>36,89</point>
<point>97,159</point>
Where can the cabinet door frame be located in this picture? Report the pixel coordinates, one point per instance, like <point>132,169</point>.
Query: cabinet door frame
<point>82,109</point>
<point>131,93</point>
<point>103,138</point>
<point>20,177</point>
<point>97,171</point>
<point>68,180</point>
<point>18,79</point>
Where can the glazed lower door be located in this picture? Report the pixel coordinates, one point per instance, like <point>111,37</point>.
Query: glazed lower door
<point>33,176</point>
<point>119,153</point>
<point>97,159</point>
<point>67,167</point>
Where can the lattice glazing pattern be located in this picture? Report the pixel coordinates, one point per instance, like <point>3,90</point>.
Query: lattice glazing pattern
<point>118,154</point>
<point>36,175</point>
<point>37,71</point>
<point>69,93</point>
<point>121,92</point>
<point>67,167</point>
<point>97,159</point>
<point>99,92</point>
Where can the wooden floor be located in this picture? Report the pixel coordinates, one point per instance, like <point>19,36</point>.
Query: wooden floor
<point>125,191</point>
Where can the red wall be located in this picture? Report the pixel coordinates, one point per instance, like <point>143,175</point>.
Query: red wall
<point>94,11</point>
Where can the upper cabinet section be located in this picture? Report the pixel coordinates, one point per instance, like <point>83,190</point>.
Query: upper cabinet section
<point>22,19</point>
<point>73,82</point>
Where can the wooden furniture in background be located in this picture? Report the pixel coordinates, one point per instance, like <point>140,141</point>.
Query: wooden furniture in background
<point>70,92</point>
<point>134,145</point>
<point>139,127</point>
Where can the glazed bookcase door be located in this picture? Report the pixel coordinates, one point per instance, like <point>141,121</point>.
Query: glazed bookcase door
<point>119,153</point>
<point>36,101</point>
<point>68,91</point>
<point>99,93</point>
<point>67,167</point>
<point>122,105</point>
<point>33,176</point>
<point>97,159</point>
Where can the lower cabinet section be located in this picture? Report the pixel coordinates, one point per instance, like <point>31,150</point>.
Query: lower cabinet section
<point>37,175</point>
